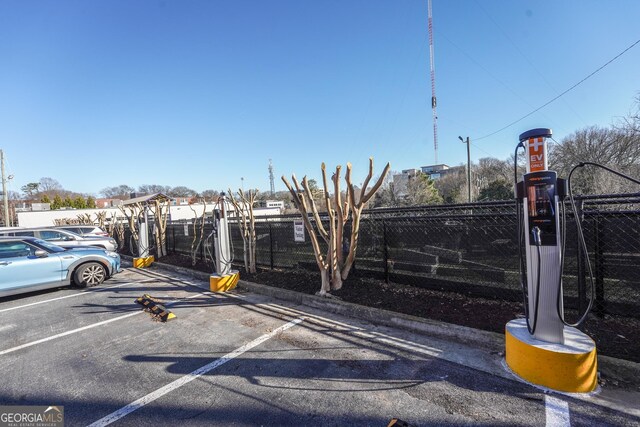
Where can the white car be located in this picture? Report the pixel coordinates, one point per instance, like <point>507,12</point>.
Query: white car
<point>63,238</point>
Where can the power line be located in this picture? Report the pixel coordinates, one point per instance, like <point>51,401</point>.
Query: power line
<point>531,64</point>
<point>558,96</point>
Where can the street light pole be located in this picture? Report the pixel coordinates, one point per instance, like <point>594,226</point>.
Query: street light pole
<point>468,166</point>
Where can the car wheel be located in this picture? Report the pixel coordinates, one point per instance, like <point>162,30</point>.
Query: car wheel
<point>90,274</point>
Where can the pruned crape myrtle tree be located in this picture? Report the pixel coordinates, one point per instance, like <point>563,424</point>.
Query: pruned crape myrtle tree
<point>132,213</point>
<point>334,265</point>
<point>247,225</point>
<point>160,211</point>
<point>114,227</point>
<point>161,215</point>
<point>198,229</point>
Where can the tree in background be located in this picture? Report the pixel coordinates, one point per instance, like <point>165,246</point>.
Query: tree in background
<point>79,203</point>
<point>122,192</point>
<point>57,202</point>
<point>210,195</point>
<point>615,147</point>
<point>388,196</point>
<point>182,191</point>
<point>49,185</point>
<point>453,186</point>
<point>153,189</point>
<point>30,189</point>
<point>91,202</point>
<point>421,191</point>
<point>498,189</point>
<point>45,199</point>
<point>67,202</point>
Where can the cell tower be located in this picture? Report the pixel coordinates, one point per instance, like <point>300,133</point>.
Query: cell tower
<point>433,86</point>
<point>271,179</point>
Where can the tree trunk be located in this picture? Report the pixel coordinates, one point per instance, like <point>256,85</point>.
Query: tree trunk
<point>326,282</point>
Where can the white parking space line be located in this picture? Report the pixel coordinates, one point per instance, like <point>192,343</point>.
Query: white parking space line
<point>67,296</point>
<point>84,328</point>
<point>557,412</point>
<point>126,410</point>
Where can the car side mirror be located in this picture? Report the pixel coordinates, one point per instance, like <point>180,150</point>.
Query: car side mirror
<point>68,238</point>
<point>41,253</point>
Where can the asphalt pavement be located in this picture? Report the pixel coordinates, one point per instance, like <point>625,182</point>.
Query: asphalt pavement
<point>249,359</point>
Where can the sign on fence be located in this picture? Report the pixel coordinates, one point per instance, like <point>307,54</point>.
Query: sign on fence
<point>298,230</point>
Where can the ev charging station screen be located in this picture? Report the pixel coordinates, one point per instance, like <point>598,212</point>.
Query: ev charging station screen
<point>541,200</point>
<point>541,206</point>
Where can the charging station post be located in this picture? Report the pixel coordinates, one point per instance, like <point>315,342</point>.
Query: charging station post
<point>541,348</point>
<point>224,278</point>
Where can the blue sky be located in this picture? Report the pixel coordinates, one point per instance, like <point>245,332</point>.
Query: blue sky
<point>202,93</point>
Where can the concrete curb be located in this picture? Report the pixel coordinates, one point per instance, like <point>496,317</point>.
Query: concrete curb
<point>611,369</point>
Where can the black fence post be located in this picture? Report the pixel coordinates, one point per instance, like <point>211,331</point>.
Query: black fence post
<point>173,233</point>
<point>270,246</point>
<point>600,268</point>
<point>385,251</point>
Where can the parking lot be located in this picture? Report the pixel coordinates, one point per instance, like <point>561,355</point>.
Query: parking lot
<point>247,359</point>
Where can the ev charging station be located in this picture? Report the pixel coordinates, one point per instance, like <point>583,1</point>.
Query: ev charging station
<point>541,348</point>
<point>224,277</point>
<point>143,259</point>
<point>143,233</point>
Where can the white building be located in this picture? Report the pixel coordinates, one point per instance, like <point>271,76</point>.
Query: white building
<point>177,213</point>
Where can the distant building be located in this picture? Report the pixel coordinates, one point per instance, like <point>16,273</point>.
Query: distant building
<point>108,203</point>
<point>32,207</point>
<point>181,201</point>
<point>438,171</point>
<point>401,180</point>
<point>271,204</point>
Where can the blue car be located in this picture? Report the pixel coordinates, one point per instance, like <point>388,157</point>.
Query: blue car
<point>28,264</point>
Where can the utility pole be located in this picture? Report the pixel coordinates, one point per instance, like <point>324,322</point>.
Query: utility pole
<point>468,166</point>
<point>5,196</point>
<point>433,84</point>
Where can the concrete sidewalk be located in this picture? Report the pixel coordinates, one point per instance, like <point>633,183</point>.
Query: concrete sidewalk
<point>476,349</point>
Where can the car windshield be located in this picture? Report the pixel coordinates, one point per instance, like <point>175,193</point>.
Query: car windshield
<point>48,246</point>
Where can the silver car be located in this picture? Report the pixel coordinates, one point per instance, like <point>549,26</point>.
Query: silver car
<point>85,230</point>
<point>63,238</point>
<point>28,264</point>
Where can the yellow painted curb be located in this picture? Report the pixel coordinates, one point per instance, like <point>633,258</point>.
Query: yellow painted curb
<point>143,262</point>
<point>223,283</point>
<point>570,367</point>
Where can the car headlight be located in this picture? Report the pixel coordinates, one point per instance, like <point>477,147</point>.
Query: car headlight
<point>113,254</point>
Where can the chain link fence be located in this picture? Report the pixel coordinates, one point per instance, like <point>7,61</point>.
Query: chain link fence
<point>470,249</point>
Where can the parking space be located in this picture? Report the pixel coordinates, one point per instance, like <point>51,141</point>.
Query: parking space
<point>248,359</point>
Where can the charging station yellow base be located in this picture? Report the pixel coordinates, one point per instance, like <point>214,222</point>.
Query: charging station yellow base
<point>143,262</point>
<point>570,367</point>
<point>223,283</point>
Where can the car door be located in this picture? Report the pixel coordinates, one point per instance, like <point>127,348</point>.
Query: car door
<point>21,268</point>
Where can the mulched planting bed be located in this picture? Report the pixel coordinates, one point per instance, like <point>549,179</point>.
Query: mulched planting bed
<point>615,336</point>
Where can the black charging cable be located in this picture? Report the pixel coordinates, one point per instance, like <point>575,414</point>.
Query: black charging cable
<point>581,240</point>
